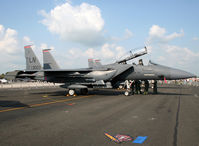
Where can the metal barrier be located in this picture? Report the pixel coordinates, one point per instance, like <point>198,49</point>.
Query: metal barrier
<point>182,82</point>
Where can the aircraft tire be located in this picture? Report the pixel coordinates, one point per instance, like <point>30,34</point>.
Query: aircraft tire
<point>120,87</point>
<point>126,93</point>
<point>84,91</point>
<point>71,92</point>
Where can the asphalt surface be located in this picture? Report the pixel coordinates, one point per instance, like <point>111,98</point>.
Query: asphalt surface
<point>47,117</point>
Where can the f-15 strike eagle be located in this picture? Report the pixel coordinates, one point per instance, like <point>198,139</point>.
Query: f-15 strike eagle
<point>97,75</point>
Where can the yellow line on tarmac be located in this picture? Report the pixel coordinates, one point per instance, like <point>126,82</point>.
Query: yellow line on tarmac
<point>12,109</point>
<point>45,103</point>
<point>57,101</point>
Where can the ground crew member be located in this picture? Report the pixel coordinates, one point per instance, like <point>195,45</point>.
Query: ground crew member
<point>146,87</point>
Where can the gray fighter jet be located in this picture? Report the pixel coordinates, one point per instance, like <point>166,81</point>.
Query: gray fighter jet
<point>104,75</point>
<point>98,75</point>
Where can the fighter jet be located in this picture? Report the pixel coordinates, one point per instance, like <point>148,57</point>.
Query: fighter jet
<point>3,81</point>
<point>98,74</point>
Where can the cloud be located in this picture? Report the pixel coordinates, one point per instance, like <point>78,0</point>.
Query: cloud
<point>27,41</point>
<point>10,49</point>
<point>107,52</point>
<point>195,38</point>
<point>8,40</point>
<point>127,35</point>
<point>182,54</point>
<point>157,34</point>
<point>172,55</point>
<point>81,24</point>
<point>76,57</point>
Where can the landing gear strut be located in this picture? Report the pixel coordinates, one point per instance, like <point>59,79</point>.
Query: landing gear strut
<point>128,88</point>
<point>155,90</point>
<point>146,87</point>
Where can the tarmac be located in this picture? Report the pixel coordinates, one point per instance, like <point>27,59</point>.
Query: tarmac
<point>45,116</point>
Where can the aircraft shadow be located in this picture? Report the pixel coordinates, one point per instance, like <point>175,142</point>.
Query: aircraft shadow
<point>54,93</point>
<point>105,92</point>
<point>7,103</point>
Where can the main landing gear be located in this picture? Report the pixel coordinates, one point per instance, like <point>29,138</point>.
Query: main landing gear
<point>84,91</point>
<point>128,85</point>
<point>127,92</point>
<point>73,92</point>
<point>137,87</point>
<point>154,86</point>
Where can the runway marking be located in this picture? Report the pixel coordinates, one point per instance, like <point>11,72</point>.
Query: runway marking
<point>45,96</point>
<point>45,103</point>
<point>12,109</point>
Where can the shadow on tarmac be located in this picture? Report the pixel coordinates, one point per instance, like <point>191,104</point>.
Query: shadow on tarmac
<point>103,92</point>
<point>54,93</point>
<point>7,103</point>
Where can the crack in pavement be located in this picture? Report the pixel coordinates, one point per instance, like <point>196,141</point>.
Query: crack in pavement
<point>175,136</point>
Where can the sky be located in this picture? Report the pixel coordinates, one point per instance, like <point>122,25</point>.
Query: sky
<point>77,30</point>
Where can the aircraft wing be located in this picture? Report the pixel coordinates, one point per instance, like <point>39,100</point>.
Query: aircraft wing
<point>68,73</point>
<point>78,75</point>
<point>69,70</point>
<point>75,71</point>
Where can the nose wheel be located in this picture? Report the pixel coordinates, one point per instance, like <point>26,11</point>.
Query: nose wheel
<point>126,93</point>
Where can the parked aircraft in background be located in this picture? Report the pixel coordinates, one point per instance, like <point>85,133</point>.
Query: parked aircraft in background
<point>3,81</point>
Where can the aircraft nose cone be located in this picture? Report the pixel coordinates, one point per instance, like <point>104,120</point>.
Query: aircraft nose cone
<point>180,74</point>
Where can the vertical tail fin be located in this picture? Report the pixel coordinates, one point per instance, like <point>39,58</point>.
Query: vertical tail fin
<point>32,62</point>
<point>48,60</point>
<point>90,63</point>
<point>98,63</point>
<point>94,63</point>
